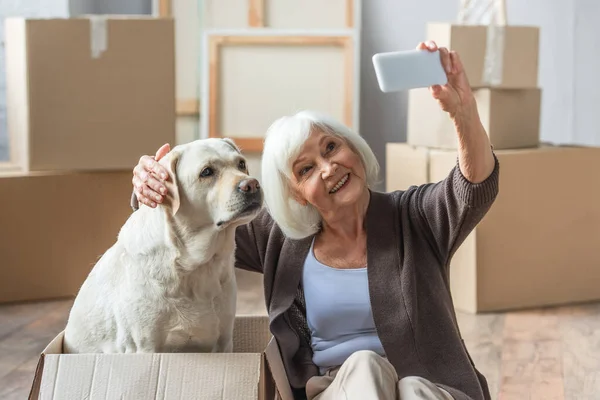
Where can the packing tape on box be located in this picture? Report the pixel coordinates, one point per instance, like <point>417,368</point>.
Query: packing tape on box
<point>494,55</point>
<point>98,35</point>
<point>493,14</point>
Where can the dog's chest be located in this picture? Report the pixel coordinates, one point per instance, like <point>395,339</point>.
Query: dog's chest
<point>195,318</point>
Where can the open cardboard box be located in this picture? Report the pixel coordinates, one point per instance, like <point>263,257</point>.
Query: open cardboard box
<point>253,371</point>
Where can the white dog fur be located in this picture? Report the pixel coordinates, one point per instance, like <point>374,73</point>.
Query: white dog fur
<point>168,283</point>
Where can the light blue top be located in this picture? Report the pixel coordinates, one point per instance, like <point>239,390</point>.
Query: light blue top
<point>338,310</point>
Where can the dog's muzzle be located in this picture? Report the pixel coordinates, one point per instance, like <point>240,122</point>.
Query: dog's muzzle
<point>248,201</point>
<point>249,186</point>
<point>252,194</point>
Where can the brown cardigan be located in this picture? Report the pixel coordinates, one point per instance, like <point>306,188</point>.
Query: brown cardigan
<point>411,236</point>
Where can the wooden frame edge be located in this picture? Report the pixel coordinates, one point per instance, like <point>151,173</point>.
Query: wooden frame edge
<point>350,13</point>
<point>215,42</point>
<point>183,107</point>
<point>187,107</point>
<point>349,82</point>
<point>256,13</point>
<point>165,8</point>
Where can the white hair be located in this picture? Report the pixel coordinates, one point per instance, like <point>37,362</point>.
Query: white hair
<point>283,142</point>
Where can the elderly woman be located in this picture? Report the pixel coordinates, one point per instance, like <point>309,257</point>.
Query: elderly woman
<point>356,282</point>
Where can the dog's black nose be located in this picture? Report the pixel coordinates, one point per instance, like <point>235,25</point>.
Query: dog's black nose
<point>249,186</point>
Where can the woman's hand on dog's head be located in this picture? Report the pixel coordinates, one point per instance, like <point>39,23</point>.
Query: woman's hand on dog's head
<point>149,177</point>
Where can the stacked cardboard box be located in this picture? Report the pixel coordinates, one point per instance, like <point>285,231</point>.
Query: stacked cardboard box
<point>85,98</point>
<point>538,244</point>
<point>508,98</point>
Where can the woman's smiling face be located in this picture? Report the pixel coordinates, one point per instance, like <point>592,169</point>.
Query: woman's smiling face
<point>327,173</point>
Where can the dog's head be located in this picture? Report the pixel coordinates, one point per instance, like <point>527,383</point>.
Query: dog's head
<point>209,184</point>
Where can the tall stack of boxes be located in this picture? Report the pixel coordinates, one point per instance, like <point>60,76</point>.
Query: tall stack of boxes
<point>86,97</point>
<point>538,244</point>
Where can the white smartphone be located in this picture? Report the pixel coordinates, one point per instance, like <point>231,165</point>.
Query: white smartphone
<point>403,70</point>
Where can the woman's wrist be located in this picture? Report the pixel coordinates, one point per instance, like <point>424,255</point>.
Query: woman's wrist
<point>467,115</point>
<point>474,148</point>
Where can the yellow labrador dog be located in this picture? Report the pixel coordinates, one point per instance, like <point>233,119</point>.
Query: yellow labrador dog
<point>168,283</point>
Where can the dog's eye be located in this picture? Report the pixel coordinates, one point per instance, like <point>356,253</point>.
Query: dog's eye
<point>206,172</point>
<point>242,165</point>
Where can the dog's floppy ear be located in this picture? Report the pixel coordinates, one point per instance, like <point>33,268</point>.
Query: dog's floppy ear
<point>172,183</point>
<point>232,144</point>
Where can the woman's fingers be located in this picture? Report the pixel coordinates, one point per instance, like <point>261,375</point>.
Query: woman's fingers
<point>157,186</point>
<point>139,193</point>
<point>148,178</point>
<point>457,65</point>
<point>435,90</point>
<point>151,165</point>
<point>144,200</point>
<point>150,187</point>
<point>445,60</point>
<point>145,194</point>
<point>431,45</point>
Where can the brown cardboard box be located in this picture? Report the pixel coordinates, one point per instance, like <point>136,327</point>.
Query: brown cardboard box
<point>53,228</point>
<point>243,374</point>
<point>89,93</point>
<point>518,51</point>
<point>538,244</point>
<point>511,119</point>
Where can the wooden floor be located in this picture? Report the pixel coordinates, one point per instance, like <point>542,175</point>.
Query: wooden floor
<point>538,354</point>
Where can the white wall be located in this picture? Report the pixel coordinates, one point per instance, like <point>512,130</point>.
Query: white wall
<point>78,7</point>
<point>569,59</point>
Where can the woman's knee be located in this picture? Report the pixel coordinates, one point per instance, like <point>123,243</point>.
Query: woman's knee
<point>361,356</point>
<point>368,362</point>
<point>369,369</point>
<point>413,387</point>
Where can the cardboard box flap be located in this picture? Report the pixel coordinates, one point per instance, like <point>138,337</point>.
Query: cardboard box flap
<point>277,369</point>
<point>56,345</point>
<point>151,376</point>
<point>251,333</point>
<point>239,375</point>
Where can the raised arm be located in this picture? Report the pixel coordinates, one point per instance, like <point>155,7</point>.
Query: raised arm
<point>450,209</point>
<point>475,157</point>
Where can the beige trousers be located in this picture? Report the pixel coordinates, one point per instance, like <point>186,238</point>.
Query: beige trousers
<point>366,375</point>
